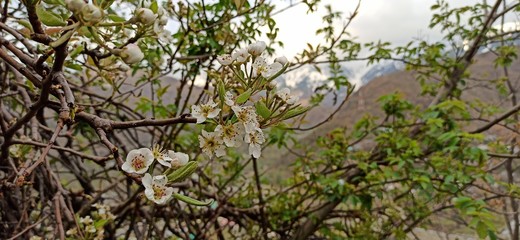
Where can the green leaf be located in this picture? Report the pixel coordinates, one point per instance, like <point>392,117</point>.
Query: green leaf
<point>221,91</point>
<point>116,18</point>
<point>100,223</point>
<point>106,4</point>
<point>191,201</point>
<point>482,230</point>
<point>244,96</point>
<point>55,2</point>
<point>154,7</point>
<point>76,51</point>
<point>239,3</point>
<point>183,172</point>
<point>295,112</point>
<point>262,109</point>
<point>49,18</point>
<point>26,24</point>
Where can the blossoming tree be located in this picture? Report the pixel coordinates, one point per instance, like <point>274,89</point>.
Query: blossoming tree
<point>113,126</point>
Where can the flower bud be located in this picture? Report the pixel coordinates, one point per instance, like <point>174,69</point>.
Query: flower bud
<point>282,60</point>
<point>91,14</point>
<point>257,48</point>
<point>131,54</point>
<point>75,5</point>
<point>145,16</point>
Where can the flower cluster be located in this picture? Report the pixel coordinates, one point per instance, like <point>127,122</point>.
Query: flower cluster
<point>150,19</point>
<point>154,16</point>
<point>93,227</point>
<point>139,161</point>
<point>237,114</point>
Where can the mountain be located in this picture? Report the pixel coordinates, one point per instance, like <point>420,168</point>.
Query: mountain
<point>364,101</point>
<point>381,69</point>
<point>303,81</point>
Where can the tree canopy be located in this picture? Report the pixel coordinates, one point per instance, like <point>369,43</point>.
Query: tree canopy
<point>167,120</point>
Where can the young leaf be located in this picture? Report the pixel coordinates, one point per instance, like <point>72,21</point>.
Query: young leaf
<point>191,201</point>
<point>262,109</point>
<point>244,96</point>
<point>49,18</point>
<point>183,172</point>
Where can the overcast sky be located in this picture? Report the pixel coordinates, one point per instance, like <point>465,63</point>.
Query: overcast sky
<point>396,21</point>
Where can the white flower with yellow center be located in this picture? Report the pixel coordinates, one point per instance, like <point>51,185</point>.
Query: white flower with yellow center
<point>138,161</point>
<point>205,111</point>
<point>255,140</point>
<point>285,95</point>
<point>257,48</point>
<point>156,189</point>
<point>179,159</point>
<point>211,144</point>
<point>241,55</point>
<point>231,134</point>
<point>161,156</point>
<point>164,159</point>
<point>247,116</point>
<point>260,67</point>
<point>87,220</point>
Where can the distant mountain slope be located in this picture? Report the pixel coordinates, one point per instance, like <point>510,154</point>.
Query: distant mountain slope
<point>364,101</point>
<point>381,69</point>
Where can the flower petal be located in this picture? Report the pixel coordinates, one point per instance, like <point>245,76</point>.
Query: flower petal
<point>147,181</point>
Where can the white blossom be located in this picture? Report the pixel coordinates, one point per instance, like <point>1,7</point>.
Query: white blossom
<point>341,182</point>
<point>241,55</point>
<point>131,54</point>
<point>261,67</point>
<point>179,159</point>
<point>282,60</point>
<point>145,16</point>
<point>257,48</point>
<point>231,134</point>
<point>165,36</point>
<point>211,144</point>
<point>225,59</point>
<point>156,189</point>
<point>205,111</point>
<point>229,99</point>
<point>164,159</point>
<point>103,211</point>
<point>70,232</point>
<point>160,24</point>
<point>138,161</point>
<point>247,116</point>
<point>91,14</point>
<point>255,140</point>
<point>90,229</point>
<point>273,69</point>
<point>285,95</point>
<point>87,220</point>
